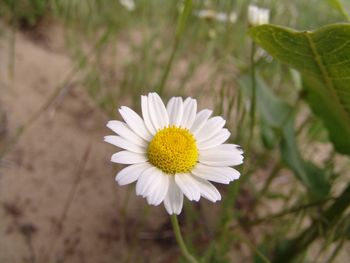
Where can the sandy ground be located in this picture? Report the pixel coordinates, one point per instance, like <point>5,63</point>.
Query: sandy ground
<point>59,200</point>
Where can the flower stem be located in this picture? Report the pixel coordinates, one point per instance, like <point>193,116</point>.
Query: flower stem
<point>180,240</point>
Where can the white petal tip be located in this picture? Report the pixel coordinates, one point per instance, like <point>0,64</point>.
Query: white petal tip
<point>106,138</point>
<point>217,199</point>
<point>240,162</point>
<point>119,183</point>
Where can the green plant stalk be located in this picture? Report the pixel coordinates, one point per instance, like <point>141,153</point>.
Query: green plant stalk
<point>180,27</point>
<point>253,100</point>
<point>227,215</point>
<point>167,68</point>
<point>180,240</point>
<point>269,180</point>
<point>337,5</point>
<point>326,220</point>
<point>284,213</point>
<point>336,251</point>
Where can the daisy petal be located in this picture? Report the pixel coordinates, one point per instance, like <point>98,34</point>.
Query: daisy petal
<point>146,116</point>
<point>200,121</point>
<point>175,110</point>
<point>135,123</point>
<point>126,157</point>
<point>131,173</point>
<point>216,140</point>
<point>230,148</point>
<point>208,190</point>
<point>189,113</point>
<point>174,199</point>
<point>210,129</point>
<point>150,191</point>
<point>220,158</point>
<point>222,175</point>
<point>188,186</point>
<point>157,111</point>
<point>158,190</point>
<point>124,144</point>
<point>124,131</point>
<point>146,180</point>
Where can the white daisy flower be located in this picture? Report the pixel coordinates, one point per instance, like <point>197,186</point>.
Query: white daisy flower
<point>173,151</point>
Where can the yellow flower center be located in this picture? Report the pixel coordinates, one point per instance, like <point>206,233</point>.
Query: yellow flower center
<point>173,150</point>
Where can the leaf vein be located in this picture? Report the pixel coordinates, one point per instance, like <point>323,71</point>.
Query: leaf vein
<point>325,74</point>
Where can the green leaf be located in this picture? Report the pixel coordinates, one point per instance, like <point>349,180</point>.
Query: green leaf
<point>314,178</point>
<point>272,110</point>
<point>280,117</point>
<point>323,58</point>
<point>268,136</point>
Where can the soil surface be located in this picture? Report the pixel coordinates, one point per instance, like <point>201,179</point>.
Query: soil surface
<point>58,198</point>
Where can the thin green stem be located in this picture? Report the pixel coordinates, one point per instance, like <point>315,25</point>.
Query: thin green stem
<point>338,5</point>
<point>180,240</point>
<point>251,246</point>
<point>288,211</point>
<point>167,68</point>
<point>181,23</point>
<point>269,180</point>
<point>253,100</point>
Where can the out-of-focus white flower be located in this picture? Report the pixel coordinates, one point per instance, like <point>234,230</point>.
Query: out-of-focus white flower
<point>224,17</point>
<point>128,4</point>
<point>173,151</point>
<point>218,16</point>
<point>258,16</point>
<point>206,14</point>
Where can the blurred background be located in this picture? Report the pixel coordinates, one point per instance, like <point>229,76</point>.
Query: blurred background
<point>65,68</point>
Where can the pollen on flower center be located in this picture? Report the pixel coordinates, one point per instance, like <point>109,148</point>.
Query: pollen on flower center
<point>173,150</point>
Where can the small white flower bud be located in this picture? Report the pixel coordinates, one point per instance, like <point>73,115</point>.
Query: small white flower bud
<point>258,16</point>
<point>217,16</point>
<point>128,4</point>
